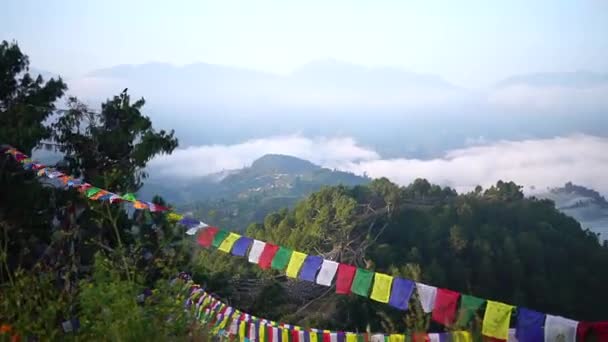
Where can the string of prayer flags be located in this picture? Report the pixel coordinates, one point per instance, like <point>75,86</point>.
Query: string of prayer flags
<point>267,255</point>
<point>396,338</point>
<point>381,291</point>
<point>295,264</point>
<point>529,326</point>
<point>344,278</point>
<point>219,238</point>
<point>226,245</point>
<point>362,282</point>
<point>427,295</point>
<point>446,304</point>
<point>558,328</point>
<point>496,320</point>
<point>281,258</point>
<point>206,236</point>
<point>256,251</point>
<point>400,293</point>
<point>328,271</point>
<point>469,305</point>
<point>241,246</point>
<point>311,266</point>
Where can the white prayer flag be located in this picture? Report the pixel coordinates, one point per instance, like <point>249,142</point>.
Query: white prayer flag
<point>558,328</point>
<point>327,272</point>
<point>427,296</point>
<point>256,250</point>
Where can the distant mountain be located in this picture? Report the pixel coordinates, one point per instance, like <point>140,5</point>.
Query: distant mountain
<point>271,175</point>
<point>236,198</point>
<point>577,79</point>
<point>586,205</point>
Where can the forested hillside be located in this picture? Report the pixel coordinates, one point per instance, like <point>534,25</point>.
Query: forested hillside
<point>491,243</point>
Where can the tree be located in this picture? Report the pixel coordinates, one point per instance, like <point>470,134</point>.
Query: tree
<point>25,102</point>
<point>111,148</point>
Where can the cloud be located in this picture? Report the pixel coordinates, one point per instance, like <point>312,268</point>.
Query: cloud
<point>202,160</point>
<point>542,163</point>
<point>550,98</point>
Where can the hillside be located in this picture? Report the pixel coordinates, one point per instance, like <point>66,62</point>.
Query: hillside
<point>586,205</point>
<point>492,243</point>
<point>236,198</point>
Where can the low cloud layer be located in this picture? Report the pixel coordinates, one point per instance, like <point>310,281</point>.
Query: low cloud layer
<point>541,163</point>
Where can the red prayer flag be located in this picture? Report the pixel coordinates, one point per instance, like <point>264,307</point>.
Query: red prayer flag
<point>205,236</point>
<point>420,337</point>
<point>446,304</point>
<point>269,333</point>
<point>599,329</point>
<point>267,255</point>
<point>295,336</point>
<point>326,336</point>
<point>344,278</point>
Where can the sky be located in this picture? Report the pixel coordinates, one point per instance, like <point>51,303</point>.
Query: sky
<point>471,43</point>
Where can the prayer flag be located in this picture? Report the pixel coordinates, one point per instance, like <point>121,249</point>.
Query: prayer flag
<point>461,336</point>
<point>129,197</point>
<point>327,272</point>
<point>281,258</point>
<point>446,303</point>
<point>381,291</point>
<point>285,334</point>
<point>350,337</point>
<point>529,326</point>
<point>400,293</point>
<point>256,251</point>
<point>90,192</point>
<point>311,265</point>
<point>396,338</point>
<point>241,246</point>
<point>362,282</point>
<point>295,263</point>
<point>267,255</point>
<point>420,337</point>
<point>219,238</point>
<point>228,242</point>
<point>558,328</point>
<point>434,337</point>
<point>469,305</point>
<point>598,329</point>
<point>496,320</point>
<point>426,294</point>
<point>172,216</point>
<point>205,237</point>
<point>344,279</point>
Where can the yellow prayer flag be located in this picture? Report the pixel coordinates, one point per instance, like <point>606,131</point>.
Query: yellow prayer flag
<point>242,327</point>
<point>228,242</point>
<point>381,291</point>
<point>313,337</point>
<point>496,320</point>
<point>174,217</point>
<point>350,337</point>
<point>295,263</point>
<point>396,338</point>
<point>285,334</point>
<point>461,336</point>
<point>262,332</point>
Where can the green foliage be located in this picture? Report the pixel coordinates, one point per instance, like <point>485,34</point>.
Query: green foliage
<point>110,309</point>
<point>110,148</point>
<point>33,304</point>
<point>25,101</point>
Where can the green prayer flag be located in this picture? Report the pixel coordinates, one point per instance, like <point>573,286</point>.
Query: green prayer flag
<point>92,191</point>
<point>362,282</point>
<point>129,197</point>
<point>281,258</point>
<point>219,237</point>
<point>468,307</point>
<point>360,338</point>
